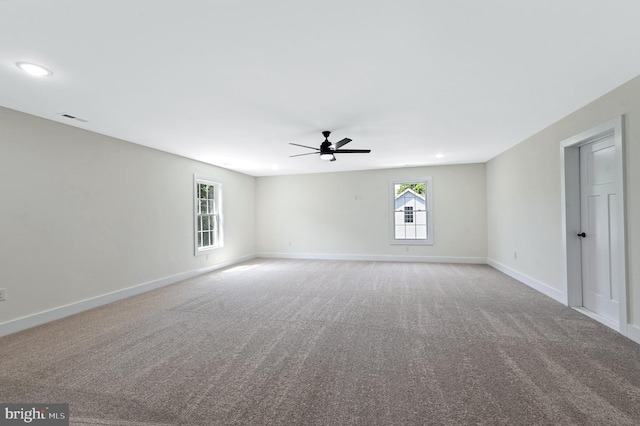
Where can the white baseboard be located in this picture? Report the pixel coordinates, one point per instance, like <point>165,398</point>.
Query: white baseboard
<point>602,320</point>
<point>373,257</point>
<point>40,318</point>
<point>630,331</point>
<point>553,293</point>
<point>633,332</point>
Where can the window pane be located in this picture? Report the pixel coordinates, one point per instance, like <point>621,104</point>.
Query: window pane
<point>410,232</point>
<point>398,217</point>
<point>205,239</point>
<point>199,239</point>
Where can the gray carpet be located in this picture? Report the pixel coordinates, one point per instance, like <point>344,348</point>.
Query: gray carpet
<point>330,343</point>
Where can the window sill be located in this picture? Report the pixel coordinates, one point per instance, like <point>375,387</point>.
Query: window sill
<point>411,242</point>
<point>208,250</point>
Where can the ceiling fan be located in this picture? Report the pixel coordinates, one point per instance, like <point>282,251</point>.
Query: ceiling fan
<point>327,149</point>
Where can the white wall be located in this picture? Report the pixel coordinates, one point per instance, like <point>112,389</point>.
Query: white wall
<point>524,194</point>
<point>320,215</point>
<point>83,215</point>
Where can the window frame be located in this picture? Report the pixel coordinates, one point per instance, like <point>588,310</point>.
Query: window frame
<point>427,181</point>
<point>218,208</point>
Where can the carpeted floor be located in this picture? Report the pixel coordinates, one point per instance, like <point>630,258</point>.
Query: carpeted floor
<point>330,343</point>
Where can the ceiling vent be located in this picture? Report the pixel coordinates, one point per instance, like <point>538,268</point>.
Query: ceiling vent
<point>73,117</point>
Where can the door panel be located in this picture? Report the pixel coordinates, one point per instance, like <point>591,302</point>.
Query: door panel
<point>598,219</point>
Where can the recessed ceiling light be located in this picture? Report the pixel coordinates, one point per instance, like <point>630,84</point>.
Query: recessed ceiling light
<point>33,69</point>
<point>439,155</point>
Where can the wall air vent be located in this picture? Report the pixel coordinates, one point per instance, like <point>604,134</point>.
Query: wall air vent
<point>73,117</point>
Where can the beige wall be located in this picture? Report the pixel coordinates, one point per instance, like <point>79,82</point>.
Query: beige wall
<point>320,215</point>
<point>83,215</point>
<point>524,194</point>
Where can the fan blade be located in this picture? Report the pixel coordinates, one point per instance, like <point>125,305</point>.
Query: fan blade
<point>306,153</point>
<point>333,159</point>
<point>343,142</point>
<point>352,151</point>
<point>304,146</point>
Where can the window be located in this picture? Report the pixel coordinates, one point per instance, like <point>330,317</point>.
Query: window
<point>411,220</point>
<point>408,214</point>
<point>208,214</point>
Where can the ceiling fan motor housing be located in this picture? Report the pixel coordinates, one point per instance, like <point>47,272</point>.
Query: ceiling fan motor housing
<point>325,147</point>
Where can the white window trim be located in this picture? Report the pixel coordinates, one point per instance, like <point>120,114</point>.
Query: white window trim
<point>199,251</point>
<point>428,204</point>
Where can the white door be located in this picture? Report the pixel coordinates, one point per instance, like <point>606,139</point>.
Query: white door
<point>600,277</point>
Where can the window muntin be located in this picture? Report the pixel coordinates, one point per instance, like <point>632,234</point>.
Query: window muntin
<point>208,217</point>
<point>408,214</point>
<point>411,221</point>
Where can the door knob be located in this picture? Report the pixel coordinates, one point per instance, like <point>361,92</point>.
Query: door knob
<point>582,235</point>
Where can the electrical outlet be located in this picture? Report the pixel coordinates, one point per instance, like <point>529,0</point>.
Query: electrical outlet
<point>3,294</point>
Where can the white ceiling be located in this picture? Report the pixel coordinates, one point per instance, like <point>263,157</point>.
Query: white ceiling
<point>232,82</point>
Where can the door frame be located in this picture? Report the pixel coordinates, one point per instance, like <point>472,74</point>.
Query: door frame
<point>570,187</point>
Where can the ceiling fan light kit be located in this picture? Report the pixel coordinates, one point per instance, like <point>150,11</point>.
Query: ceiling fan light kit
<point>327,156</point>
<point>328,150</point>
